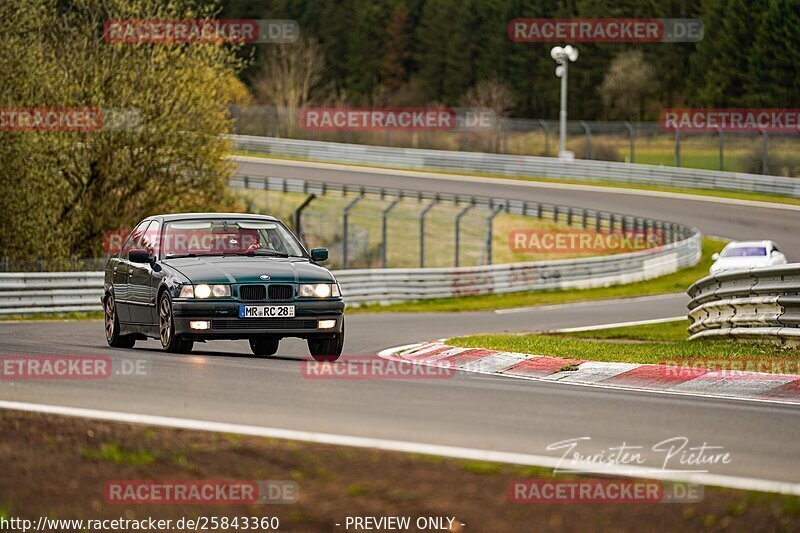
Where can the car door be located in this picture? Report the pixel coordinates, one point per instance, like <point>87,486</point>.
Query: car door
<point>141,292</point>
<point>121,271</point>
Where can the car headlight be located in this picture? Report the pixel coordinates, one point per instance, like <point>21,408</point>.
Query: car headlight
<point>319,290</point>
<point>205,290</point>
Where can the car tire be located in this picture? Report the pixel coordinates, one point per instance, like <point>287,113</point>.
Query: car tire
<point>111,322</point>
<point>264,346</point>
<point>327,349</point>
<point>166,328</point>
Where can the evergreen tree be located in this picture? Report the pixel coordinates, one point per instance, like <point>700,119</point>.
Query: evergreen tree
<point>775,57</point>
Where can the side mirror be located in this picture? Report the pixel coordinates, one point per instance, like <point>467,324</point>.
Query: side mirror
<point>139,256</point>
<point>319,254</point>
<point>714,257</point>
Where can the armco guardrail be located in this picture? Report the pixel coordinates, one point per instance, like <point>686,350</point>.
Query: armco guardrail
<point>545,167</point>
<point>22,293</point>
<point>50,292</point>
<point>749,303</point>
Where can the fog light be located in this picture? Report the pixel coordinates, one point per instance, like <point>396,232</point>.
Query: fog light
<point>200,324</point>
<point>327,324</point>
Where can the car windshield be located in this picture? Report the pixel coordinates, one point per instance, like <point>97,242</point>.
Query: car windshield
<point>228,237</point>
<point>745,251</point>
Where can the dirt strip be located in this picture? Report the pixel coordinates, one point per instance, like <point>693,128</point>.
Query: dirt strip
<point>59,466</point>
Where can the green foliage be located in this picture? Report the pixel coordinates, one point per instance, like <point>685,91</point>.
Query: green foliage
<point>436,50</point>
<point>60,191</point>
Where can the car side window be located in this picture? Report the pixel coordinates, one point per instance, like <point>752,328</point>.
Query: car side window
<point>133,239</point>
<point>150,237</point>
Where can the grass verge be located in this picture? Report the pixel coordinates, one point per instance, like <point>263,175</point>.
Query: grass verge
<point>48,472</point>
<point>74,315</point>
<point>675,282</point>
<point>651,343</point>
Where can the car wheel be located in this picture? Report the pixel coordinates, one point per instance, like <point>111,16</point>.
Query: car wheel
<point>264,345</point>
<point>166,328</point>
<point>327,349</point>
<point>113,338</point>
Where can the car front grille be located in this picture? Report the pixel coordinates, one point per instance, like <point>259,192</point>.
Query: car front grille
<point>253,293</point>
<point>281,292</point>
<point>263,323</point>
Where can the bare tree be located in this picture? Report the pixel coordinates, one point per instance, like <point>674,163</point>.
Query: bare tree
<point>494,96</point>
<point>630,80</point>
<point>288,75</point>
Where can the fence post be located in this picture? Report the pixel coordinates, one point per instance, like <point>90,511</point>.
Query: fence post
<point>546,129</point>
<point>632,137</point>
<point>587,150</point>
<point>297,216</point>
<point>459,216</point>
<point>765,153</point>
<point>384,224</point>
<point>721,149</point>
<point>677,148</point>
<point>489,233</point>
<point>422,231</point>
<point>345,216</point>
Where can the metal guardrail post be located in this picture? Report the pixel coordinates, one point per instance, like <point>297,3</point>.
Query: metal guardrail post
<point>384,225</point>
<point>346,216</point>
<point>490,234</point>
<point>587,148</point>
<point>297,214</point>
<point>459,216</point>
<point>422,231</point>
<point>632,138</point>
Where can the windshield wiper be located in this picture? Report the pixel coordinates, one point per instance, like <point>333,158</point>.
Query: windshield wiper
<point>271,253</point>
<point>192,254</point>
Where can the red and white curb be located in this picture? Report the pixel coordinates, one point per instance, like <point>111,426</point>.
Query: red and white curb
<point>776,388</point>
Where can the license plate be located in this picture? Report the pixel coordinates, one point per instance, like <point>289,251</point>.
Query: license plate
<point>266,311</point>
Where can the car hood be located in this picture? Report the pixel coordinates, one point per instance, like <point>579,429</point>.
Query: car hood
<point>725,263</point>
<point>249,270</point>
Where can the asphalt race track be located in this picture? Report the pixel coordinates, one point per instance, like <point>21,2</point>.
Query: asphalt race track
<point>221,382</point>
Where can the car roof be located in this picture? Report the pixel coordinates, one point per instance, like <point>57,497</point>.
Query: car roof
<point>743,244</point>
<point>195,216</point>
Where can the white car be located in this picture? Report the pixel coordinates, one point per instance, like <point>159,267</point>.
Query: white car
<point>746,254</point>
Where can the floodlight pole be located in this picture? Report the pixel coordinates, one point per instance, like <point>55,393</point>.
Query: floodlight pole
<point>563,56</point>
<point>562,116</point>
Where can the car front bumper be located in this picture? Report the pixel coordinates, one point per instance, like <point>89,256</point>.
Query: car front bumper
<point>225,323</point>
